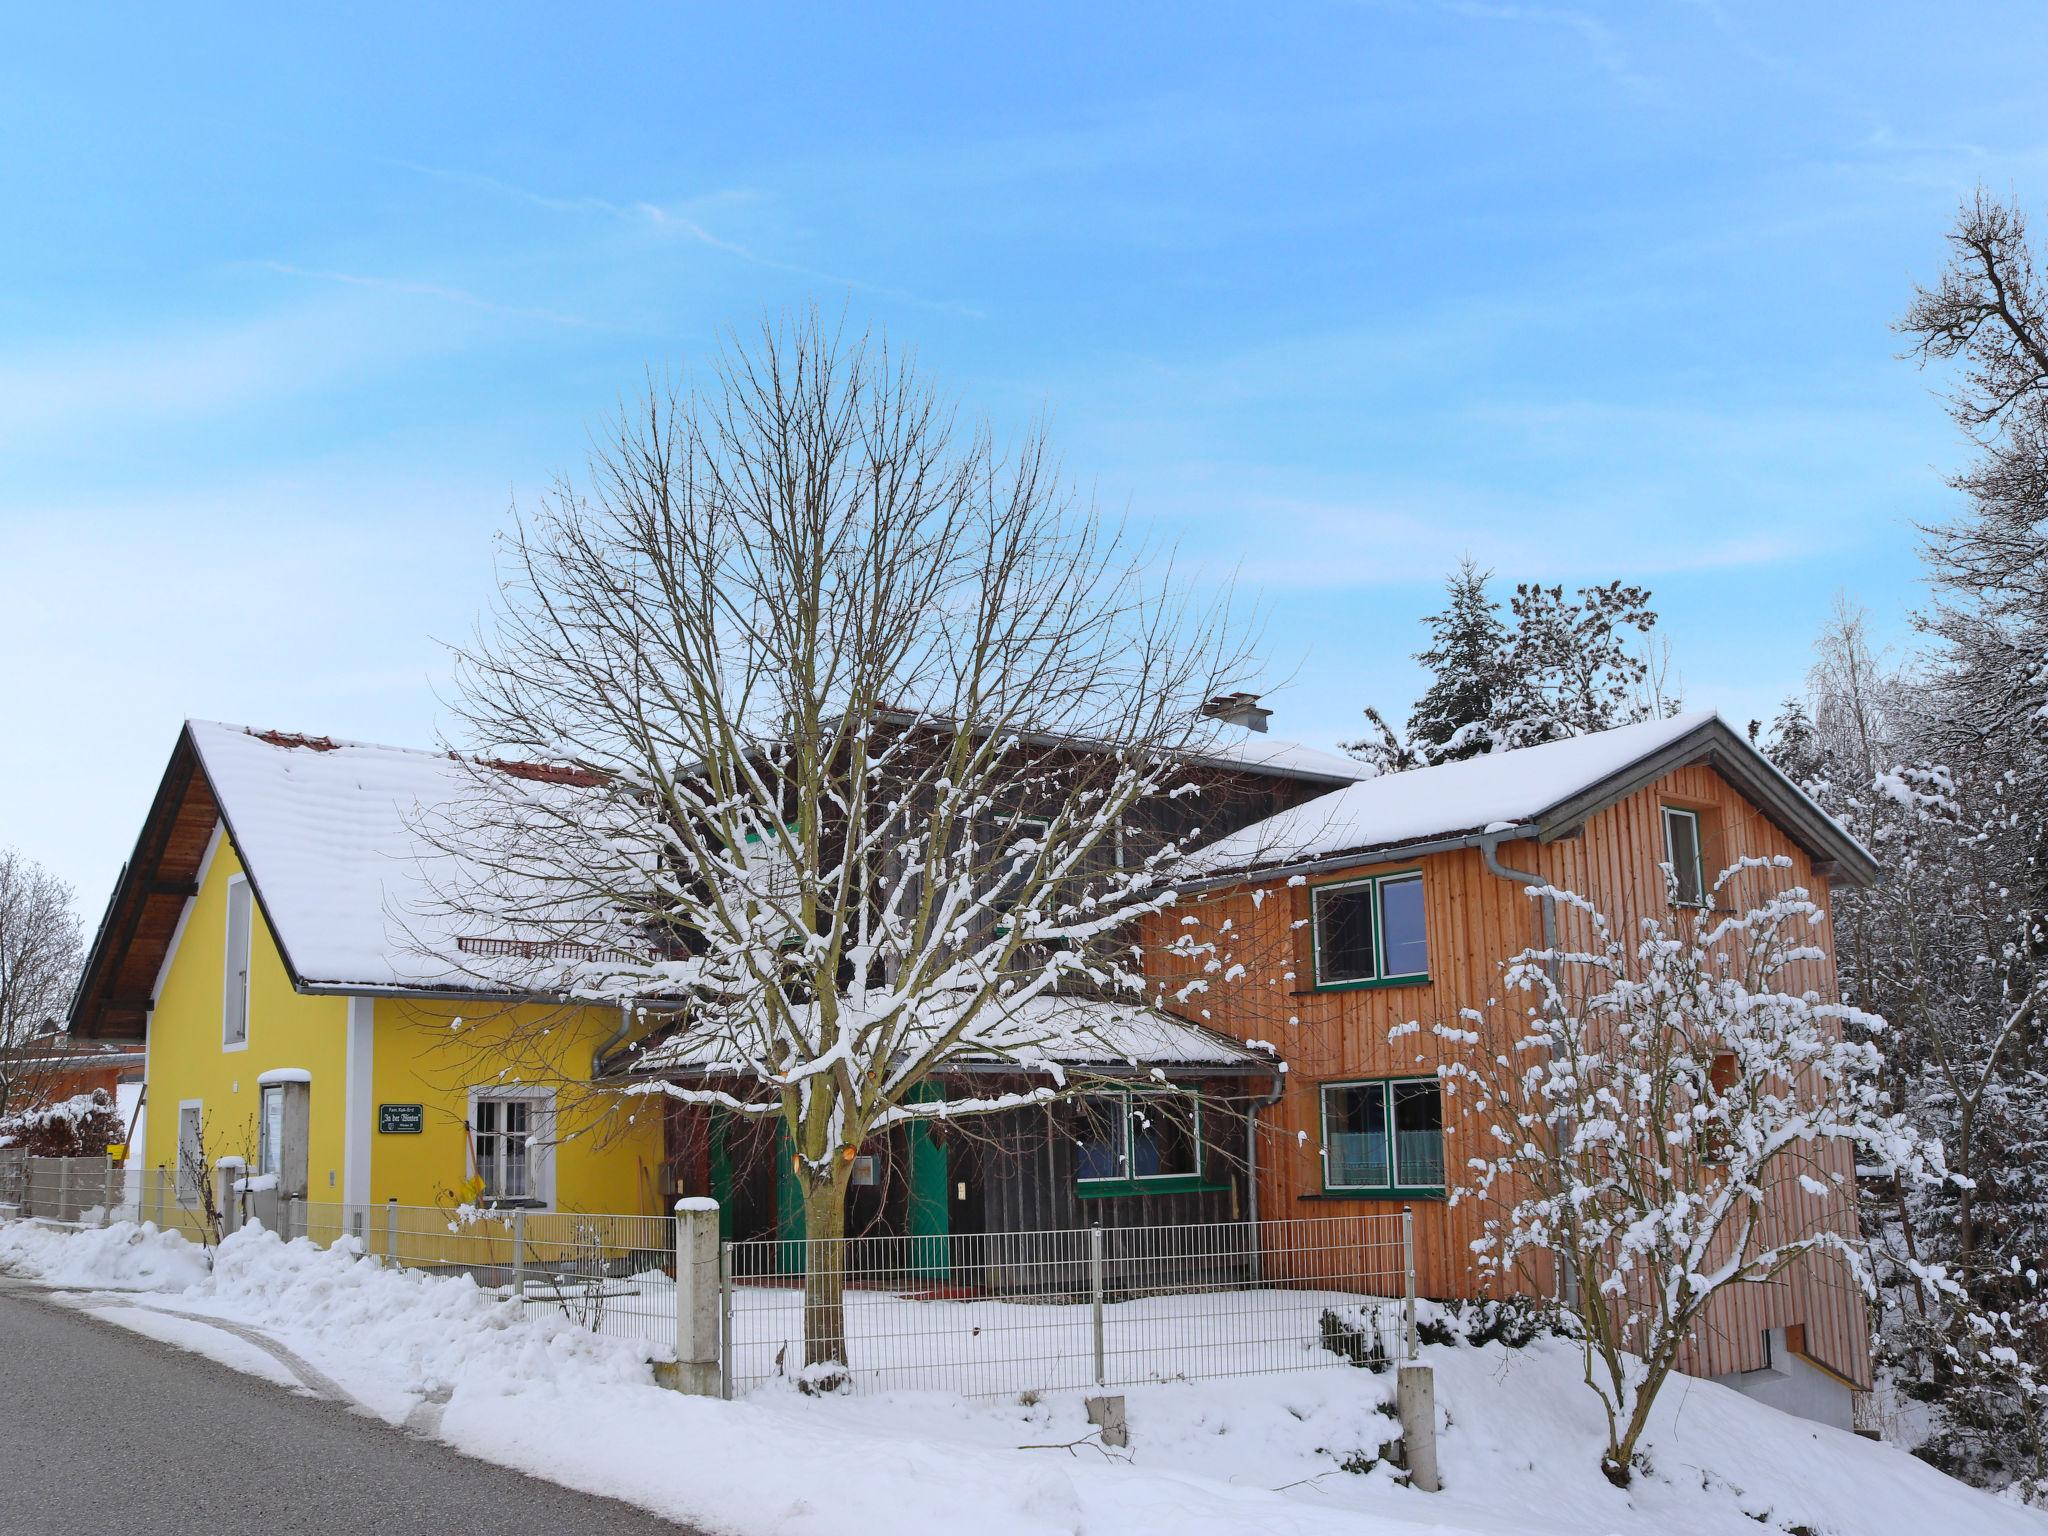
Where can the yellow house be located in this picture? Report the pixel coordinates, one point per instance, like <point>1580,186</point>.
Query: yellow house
<point>272,941</point>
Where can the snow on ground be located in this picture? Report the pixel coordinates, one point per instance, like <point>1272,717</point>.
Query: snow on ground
<point>119,1257</point>
<point>200,1338</point>
<point>1295,1452</point>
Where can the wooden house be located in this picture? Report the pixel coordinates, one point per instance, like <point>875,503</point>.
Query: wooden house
<point>1396,901</point>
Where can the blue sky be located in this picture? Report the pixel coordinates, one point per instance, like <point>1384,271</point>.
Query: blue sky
<point>293,308</point>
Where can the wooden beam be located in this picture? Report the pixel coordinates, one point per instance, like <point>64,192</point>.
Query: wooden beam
<point>185,888</point>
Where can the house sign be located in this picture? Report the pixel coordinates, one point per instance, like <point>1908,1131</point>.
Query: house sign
<point>399,1119</point>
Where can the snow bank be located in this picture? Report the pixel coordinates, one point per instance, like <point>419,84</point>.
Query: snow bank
<point>397,1336</point>
<point>1299,1452</point>
<point>123,1256</point>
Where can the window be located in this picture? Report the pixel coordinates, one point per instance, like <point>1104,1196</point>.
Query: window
<point>191,1153</point>
<point>1135,1136</point>
<point>270,1130</point>
<point>1386,1136</point>
<point>1165,1136</point>
<point>1682,853</point>
<point>1370,931</point>
<point>234,1008</point>
<point>512,1143</point>
<point>1010,864</point>
<point>1099,1142</point>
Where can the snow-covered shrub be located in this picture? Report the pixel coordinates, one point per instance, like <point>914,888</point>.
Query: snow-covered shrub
<point>84,1125</point>
<point>1670,1114</point>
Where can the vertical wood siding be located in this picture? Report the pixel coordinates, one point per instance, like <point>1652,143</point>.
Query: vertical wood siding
<point>1475,921</point>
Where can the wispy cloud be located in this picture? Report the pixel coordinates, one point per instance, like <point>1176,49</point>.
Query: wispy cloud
<point>683,221</point>
<point>199,369</point>
<point>1599,41</point>
<point>415,289</point>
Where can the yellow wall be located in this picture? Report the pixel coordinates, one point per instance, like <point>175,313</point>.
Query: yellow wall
<point>433,1053</point>
<point>610,1154</point>
<point>186,1060</point>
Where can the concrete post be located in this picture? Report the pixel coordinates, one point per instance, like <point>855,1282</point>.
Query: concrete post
<point>519,1250</point>
<point>698,1370</point>
<point>391,1231</point>
<point>1095,1297</point>
<point>1108,1415</point>
<point>162,1195</point>
<point>294,1219</point>
<point>1415,1399</point>
<point>64,1210</point>
<point>226,1174</point>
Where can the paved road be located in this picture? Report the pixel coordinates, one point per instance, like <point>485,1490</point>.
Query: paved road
<point>103,1430</point>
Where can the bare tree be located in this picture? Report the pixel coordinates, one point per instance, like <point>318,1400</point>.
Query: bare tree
<point>40,955</point>
<point>849,714</point>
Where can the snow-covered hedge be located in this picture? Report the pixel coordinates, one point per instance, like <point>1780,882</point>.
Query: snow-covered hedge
<point>84,1125</point>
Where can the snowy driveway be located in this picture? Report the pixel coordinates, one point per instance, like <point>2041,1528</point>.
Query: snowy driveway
<point>101,1430</point>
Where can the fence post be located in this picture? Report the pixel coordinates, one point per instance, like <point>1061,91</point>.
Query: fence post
<point>699,1368</point>
<point>294,1219</point>
<point>1408,1279</point>
<point>391,1230</point>
<point>1095,1295</point>
<point>725,1321</point>
<point>64,1189</point>
<point>519,1250</point>
<point>226,1196</point>
<point>162,1197</point>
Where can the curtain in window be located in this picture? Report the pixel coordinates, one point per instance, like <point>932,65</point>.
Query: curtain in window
<point>1356,1133</point>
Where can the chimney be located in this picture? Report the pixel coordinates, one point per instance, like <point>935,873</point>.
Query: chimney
<point>1238,709</point>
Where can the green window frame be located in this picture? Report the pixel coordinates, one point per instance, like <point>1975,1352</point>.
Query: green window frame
<point>1410,1161</point>
<point>1126,1179</point>
<point>1384,969</point>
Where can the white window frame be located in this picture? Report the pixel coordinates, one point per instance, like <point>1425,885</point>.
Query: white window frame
<point>239,889</point>
<point>1386,1086</point>
<point>269,1154</point>
<point>540,1139</point>
<point>187,1193</point>
<point>1380,976</point>
<point>1671,814</point>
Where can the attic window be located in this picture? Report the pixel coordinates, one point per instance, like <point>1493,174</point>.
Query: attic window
<point>1686,874</point>
<point>234,1005</point>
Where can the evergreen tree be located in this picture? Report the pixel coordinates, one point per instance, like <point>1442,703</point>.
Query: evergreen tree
<point>1563,667</point>
<point>1467,640</point>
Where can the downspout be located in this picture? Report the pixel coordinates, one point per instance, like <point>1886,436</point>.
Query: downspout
<point>1489,845</point>
<point>1251,1164</point>
<point>611,1042</point>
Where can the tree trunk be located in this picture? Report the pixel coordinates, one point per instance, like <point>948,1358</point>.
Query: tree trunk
<point>825,1264</point>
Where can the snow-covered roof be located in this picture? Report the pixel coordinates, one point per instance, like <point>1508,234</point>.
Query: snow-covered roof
<point>1525,789</point>
<point>1238,747</point>
<point>1050,1032</point>
<point>330,834</point>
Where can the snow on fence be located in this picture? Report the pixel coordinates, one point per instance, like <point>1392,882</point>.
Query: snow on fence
<point>992,1314</point>
<point>1003,1313</point>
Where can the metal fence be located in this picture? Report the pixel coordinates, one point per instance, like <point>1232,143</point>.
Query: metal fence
<point>93,1191</point>
<point>993,1314</point>
<point>1018,1312</point>
<point>613,1274</point>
